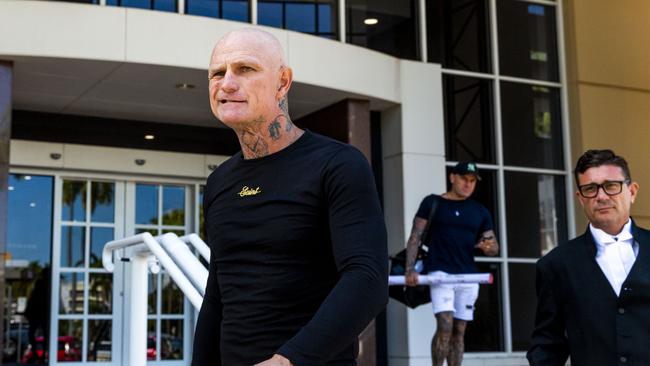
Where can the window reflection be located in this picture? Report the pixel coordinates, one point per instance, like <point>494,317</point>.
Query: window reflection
<point>99,340</point>
<point>532,126</point>
<point>543,200</point>
<point>99,236</point>
<point>173,205</point>
<point>469,127</point>
<point>225,9</point>
<point>74,201</point>
<point>100,293</point>
<point>146,208</point>
<point>172,298</point>
<point>102,202</point>
<point>69,340</point>
<point>458,34</point>
<point>527,40</point>
<point>171,339</point>
<point>317,17</point>
<point>73,245</point>
<point>161,5</point>
<point>384,26</point>
<point>485,334</point>
<point>522,304</point>
<point>71,293</point>
<point>152,346</point>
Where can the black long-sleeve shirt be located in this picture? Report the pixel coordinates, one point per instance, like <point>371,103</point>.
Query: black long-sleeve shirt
<point>298,256</point>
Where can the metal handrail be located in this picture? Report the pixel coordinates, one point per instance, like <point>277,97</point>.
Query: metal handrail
<point>175,257</point>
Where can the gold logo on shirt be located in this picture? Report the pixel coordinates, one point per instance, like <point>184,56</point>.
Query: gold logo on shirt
<point>247,191</point>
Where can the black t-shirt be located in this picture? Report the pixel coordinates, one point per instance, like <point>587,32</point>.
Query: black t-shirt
<point>298,256</point>
<point>453,233</point>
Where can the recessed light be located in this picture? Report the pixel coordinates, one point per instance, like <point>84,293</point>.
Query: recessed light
<point>371,21</point>
<point>184,86</point>
<point>11,188</point>
<point>28,177</point>
<point>149,137</point>
<point>33,204</point>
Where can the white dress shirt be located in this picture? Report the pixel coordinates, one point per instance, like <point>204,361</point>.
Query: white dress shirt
<point>615,254</point>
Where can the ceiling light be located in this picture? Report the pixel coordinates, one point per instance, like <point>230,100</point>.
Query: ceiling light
<point>33,204</point>
<point>149,137</point>
<point>28,177</point>
<point>184,86</point>
<point>370,21</point>
<point>11,188</point>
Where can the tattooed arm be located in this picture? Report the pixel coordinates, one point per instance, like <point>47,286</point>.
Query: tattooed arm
<point>412,245</point>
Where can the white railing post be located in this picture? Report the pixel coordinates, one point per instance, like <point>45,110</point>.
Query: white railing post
<point>138,308</point>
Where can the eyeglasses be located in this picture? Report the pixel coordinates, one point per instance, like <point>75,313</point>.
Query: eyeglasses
<point>610,187</point>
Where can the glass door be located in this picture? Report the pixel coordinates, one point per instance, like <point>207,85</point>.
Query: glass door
<point>27,269</point>
<point>89,306</point>
<point>86,299</point>
<point>158,209</point>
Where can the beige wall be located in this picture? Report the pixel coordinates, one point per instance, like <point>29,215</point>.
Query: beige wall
<point>608,72</point>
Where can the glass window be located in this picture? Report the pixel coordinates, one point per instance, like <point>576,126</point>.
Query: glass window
<point>70,338</point>
<point>522,304</point>
<point>102,201</point>
<point>317,17</point>
<point>73,246</point>
<point>384,26</point>
<point>171,296</point>
<point>74,201</point>
<point>99,340</point>
<point>527,40</point>
<point>485,332</point>
<point>100,293</point>
<point>162,5</point>
<point>99,236</point>
<point>173,205</point>
<point>469,126</point>
<point>532,126</point>
<point>536,213</point>
<point>458,34</point>
<point>171,339</point>
<point>27,268</point>
<point>225,9</point>
<point>71,292</point>
<point>146,209</point>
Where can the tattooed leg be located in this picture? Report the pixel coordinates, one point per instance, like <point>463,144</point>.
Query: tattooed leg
<point>457,343</point>
<point>440,341</point>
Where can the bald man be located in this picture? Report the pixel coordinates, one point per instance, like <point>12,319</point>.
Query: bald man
<point>298,261</point>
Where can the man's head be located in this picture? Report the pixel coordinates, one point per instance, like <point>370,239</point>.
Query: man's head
<point>463,178</point>
<point>248,77</point>
<point>605,189</point>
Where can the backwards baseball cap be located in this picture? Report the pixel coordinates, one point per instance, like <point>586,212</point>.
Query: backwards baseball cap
<point>465,167</point>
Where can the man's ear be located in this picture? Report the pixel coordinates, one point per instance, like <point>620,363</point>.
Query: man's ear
<point>286,78</point>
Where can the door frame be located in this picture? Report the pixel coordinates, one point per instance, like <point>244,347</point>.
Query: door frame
<point>123,227</point>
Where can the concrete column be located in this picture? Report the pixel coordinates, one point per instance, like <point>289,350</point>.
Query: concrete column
<point>414,166</point>
<point>5,136</point>
<point>347,121</point>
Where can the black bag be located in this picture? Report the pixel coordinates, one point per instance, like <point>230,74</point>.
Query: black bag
<point>418,295</point>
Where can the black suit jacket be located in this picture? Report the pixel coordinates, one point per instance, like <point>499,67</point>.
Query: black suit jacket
<point>579,314</point>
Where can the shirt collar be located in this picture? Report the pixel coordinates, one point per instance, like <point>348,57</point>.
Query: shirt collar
<point>602,238</point>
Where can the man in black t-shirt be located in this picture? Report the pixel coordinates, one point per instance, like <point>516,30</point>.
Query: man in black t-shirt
<point>459,225</point>
<point>298,263</point>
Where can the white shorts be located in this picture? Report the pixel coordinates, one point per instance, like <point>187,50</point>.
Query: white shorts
<point>457,298</point>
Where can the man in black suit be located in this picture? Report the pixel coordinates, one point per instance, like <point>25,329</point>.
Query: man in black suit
<point>593,293</point>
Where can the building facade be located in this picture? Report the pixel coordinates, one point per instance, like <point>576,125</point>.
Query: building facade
<point>106,132</point>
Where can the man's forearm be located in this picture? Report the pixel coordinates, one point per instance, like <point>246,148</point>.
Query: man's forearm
<point>412,246</point>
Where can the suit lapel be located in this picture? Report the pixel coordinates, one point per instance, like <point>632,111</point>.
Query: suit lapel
<point>641,268</point>
<point>590,248</point>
